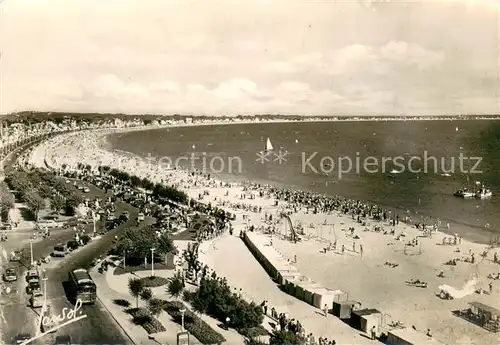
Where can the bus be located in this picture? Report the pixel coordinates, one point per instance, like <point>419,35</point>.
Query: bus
<point>82,286</point>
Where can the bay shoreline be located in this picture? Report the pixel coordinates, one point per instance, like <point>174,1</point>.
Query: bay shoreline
<point>320,230</point>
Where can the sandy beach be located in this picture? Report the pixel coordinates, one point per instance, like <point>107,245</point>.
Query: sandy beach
<point>374,275</point>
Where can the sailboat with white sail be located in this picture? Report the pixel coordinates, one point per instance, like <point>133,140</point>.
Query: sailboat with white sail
<point>269,146</point>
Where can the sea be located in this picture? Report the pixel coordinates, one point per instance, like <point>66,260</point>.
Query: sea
<point>410,167</point>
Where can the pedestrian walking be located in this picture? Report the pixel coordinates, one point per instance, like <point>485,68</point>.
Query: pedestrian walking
<point>361,250</point>
<point>373,333</point>
<point>343,249</point>
<point>325,310</point>
<point>354,247</point>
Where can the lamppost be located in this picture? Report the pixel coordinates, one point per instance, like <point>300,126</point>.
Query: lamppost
<point>183,311</point>
<point>31,252</point>
<point>152,262</point>
<point>45,278</point>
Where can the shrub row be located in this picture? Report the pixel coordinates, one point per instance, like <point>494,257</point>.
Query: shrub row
<point>193,324</point>
<point>153,281</point>
<point>142,317</point>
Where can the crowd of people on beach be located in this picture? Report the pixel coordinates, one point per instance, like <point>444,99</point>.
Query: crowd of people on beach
<point>292,201</point>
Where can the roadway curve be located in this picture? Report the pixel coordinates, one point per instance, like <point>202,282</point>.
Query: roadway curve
<point>99,327</point>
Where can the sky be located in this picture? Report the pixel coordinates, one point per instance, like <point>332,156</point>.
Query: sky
<point>233,57</point>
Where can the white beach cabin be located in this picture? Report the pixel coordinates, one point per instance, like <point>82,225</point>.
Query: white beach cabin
<point>327,296</point>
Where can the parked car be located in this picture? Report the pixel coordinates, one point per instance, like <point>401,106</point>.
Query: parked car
<point>32,273</point>
<point>10,275</point>
<point>126,214</point>
<point>16,256</point>
<point>60,250</point>
<point>36,299</point>
<point>62,340</point>
<point>5,227</point>
<point>34,287</point>
<point>140,217</point>
<point>22,337</point>
<point>50,224</point>
<point>71,223</point>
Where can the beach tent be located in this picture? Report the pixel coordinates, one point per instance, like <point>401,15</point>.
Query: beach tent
<point>327,296</point>
<point>343,309</point>
<point>365,319</point>
<point>409,336</point>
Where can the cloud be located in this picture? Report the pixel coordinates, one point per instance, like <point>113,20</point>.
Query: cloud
<point>225,57</point>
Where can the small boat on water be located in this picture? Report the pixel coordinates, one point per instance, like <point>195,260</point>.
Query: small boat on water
<point>484,193</point>
<point>464,193</point>
<point>445,175</point>
<point>395,171</point>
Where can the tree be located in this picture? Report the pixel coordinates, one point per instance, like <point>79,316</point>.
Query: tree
<point>137,243</point>
<point>155,306</point>
<point>34,202</point>
<point>286,337</point>
<point>135,287</point>
<point>72,202</point>
<point>45,191</point>
<point>6,201</point>
<point>175,285</point>
<point>124,246</point>
<point>165,245</point>
<point>146,294</point>
<point>191,257</point>
<point>57,203</point>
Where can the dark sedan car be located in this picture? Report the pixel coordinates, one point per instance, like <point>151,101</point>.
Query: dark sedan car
<point>62,340</point>
<point>22,337</point>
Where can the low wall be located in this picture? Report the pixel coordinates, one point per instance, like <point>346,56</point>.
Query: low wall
<point>288,276</point>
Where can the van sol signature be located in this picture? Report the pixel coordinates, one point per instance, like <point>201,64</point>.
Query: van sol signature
<point>53,322</point>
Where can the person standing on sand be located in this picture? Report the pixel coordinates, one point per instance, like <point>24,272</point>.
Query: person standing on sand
<point>354,247</point>
<point>343,249</point>
<point>325,310</point>
<point>373,333</point>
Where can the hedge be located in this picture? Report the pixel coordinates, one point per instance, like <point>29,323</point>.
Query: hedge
<point>193,324</point>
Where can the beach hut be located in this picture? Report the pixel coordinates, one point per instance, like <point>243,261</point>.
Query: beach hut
<point>303,291</point>
<point>365,319</point>
<point>482,315</point>
<point>327,296</point>
<point>294,287</point>
<point>409,336</point>
<point>343,309</point>
<point>284,276</point>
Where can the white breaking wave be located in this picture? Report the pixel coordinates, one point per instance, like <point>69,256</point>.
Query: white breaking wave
<point>468,289</point>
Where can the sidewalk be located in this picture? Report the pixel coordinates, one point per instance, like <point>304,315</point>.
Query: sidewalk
<point>106,295</point>
<point>111,287</point>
